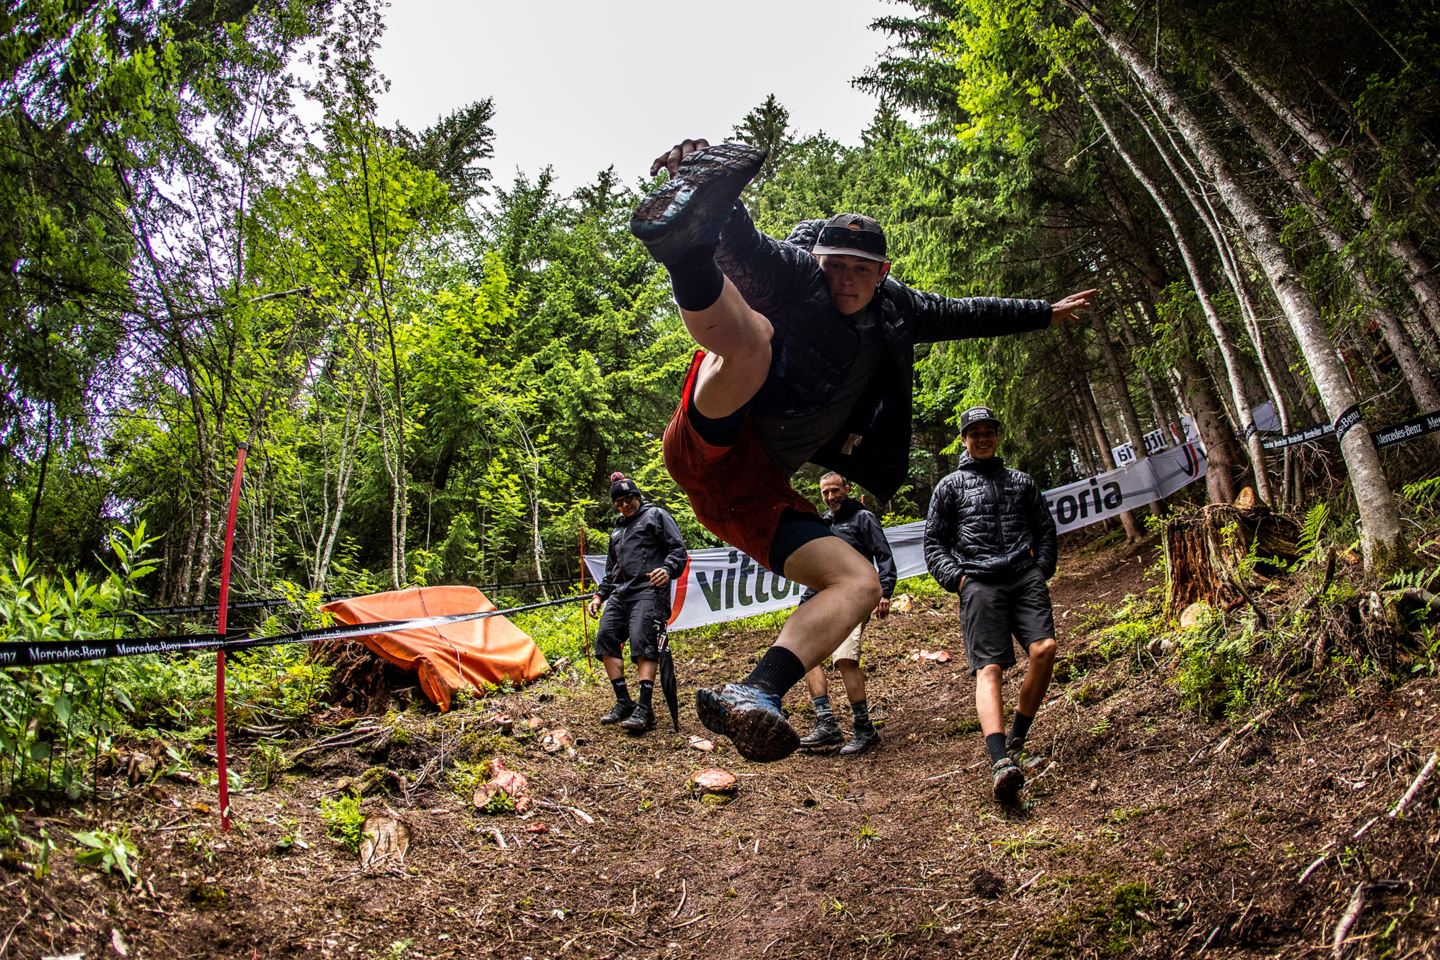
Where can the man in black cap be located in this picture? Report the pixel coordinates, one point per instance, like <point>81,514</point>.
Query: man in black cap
<point>989,536</point>
<point>646,553</point>
<point>808,354</point>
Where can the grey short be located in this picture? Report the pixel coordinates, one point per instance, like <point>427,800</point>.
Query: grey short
<point>638,619</point>
<point>992,613</point>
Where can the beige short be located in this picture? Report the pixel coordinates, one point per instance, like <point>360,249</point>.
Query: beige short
<point>849,648</point>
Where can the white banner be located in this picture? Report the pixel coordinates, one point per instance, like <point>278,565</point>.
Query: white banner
<point>1155,441</point>
<point>721,583</point>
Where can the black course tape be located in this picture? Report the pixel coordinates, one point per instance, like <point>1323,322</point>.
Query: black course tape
<point>1409,430</point>
<point>21,654</point>
<point>1396,433</point>
<point>1346,421</point>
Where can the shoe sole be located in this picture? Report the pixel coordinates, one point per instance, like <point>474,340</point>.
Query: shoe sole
<point>825,747</point>
<point>1008,784</point>
<point>711,177</point>
<point>758,735</point>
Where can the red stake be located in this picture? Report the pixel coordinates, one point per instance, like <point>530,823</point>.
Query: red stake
<point>220,654</point>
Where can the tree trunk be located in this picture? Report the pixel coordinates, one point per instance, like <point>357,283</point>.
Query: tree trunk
<point>1379,517</point>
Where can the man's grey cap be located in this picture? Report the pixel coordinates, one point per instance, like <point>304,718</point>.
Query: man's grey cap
<point>976,415</point>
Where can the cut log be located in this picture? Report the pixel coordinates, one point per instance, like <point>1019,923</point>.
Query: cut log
<point>1204,551</point>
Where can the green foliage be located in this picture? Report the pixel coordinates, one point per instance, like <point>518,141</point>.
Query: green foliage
<point>344,820</point>
<point>1214,670</point>
<point>1312,531</point>
<point>107,852</point>
<point>54,718</point>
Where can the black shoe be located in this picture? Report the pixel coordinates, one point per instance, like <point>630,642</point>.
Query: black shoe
<point>1008,779</point>
<point>640,720</point>
<point>751,718</point>
<point>1014,747</point>
<point>825,735</point>
<point>620,711</point>
<point>692,207</point>
<point>862,740</point>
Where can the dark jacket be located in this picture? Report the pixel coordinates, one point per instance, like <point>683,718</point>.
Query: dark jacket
<point>988,522</point>
<point>813,345</point>
<point>639,544</point>
<point>861,529</point>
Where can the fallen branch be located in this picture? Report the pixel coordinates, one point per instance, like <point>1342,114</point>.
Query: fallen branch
<point>1424,597</point>
<point>1352,913</point>
<point>1415,785</point>
<point>681,905</point>
<point>347,739</point>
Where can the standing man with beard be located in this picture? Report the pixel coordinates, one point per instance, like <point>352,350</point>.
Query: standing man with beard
<point>850,521</point>
<point>989,536</point>
<point>646,553</point>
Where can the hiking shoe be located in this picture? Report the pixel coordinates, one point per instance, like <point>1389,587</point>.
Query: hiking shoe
<point>1014,748</point>
<point>619,712</point>
<point>862,740</point>
<point>824,736</point>
<point>642,718</point>
<point>1008,779</point>
<point>751,718</point>
<point>692,207</point>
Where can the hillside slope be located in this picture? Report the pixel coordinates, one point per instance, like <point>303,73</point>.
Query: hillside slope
<point>1146,831</point>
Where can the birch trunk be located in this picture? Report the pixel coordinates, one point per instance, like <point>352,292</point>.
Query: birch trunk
<point>1379,517</point>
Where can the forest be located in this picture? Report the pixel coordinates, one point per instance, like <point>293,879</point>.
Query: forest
<point>211,242</point>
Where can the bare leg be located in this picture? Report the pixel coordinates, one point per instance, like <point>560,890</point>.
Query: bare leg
<point>987,699</point>
<point>645,669</point>
<point>854,679</point>
<point>848,588</point>
<point>736,340</point>
<point>1037,676</point>
<point>614,667</point>
<point>816,683</point>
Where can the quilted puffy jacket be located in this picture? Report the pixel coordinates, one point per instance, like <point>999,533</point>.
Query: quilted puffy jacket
<point>640,543</point>
<point>813,345</point>
<point>988,522</point>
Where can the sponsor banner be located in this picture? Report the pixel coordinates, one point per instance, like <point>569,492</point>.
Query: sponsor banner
<point>722,583</point>
<point>1317,432</point>
<point>1155,441</point>
<point>1345,422</point>
<point>1409,430</point>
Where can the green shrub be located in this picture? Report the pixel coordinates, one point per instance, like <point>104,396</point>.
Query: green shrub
<point>107,852</point>
<point>344,820</point>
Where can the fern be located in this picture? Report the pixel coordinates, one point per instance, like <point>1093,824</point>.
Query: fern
<point>1316,520</point>
<point>1414,579</point>
<point>1425,494</point>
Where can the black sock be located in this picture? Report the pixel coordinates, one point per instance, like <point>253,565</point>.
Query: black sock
<point>823,714</point>
<point>696,279</point>
<point>995,743</point>
<point>861,710</point>
<point>1019,727</point>
<point>777,671</point>
<point>622,692</point>
<point>647,690</point>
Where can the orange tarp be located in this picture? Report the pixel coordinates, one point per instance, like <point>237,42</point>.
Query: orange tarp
<point>449,657</point>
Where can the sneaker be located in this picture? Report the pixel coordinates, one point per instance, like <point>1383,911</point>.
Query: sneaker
<point>1014,748</point>
<point>1008,779</point>
<point>642,718</point>
<point>862,740</point>
<point>751,718</point>
<point>825,735</point>
<point>692,207</point>
<point>619,712</point>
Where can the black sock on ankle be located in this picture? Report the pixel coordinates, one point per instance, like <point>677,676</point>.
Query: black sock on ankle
<point>861,710</point>
<point>622,692</point>
<point>823,713</point>
<point>777,671</point>
<point>995,743</point>
<point>647,690</point>
<point>696,279</point>
<point>1020,727</point>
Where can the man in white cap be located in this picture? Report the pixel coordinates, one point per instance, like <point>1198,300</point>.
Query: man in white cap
<point>989,536</point>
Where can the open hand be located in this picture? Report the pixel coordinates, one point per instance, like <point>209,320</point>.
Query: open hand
<point>594,606</point>
<point>670,160</point>
<point>1069,309</point>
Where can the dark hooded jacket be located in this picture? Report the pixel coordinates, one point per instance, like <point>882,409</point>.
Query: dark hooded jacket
<point>988,522</point>
<point>861,529</point>
<point>813,345</point>
<point>639,544</point>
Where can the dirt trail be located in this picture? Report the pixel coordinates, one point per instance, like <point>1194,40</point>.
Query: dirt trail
<point>1146,833</point>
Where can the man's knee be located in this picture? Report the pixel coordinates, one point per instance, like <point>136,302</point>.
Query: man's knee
<point>1043,650</point>
<point>990,673</point>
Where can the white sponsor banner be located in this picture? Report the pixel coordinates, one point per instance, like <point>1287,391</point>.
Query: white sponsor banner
<point>721,583</point>
<point>1155,441</point>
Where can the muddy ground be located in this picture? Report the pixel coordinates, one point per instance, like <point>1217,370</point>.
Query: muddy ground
<point>1145,832</point>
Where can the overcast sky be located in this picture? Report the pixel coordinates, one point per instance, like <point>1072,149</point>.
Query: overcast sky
<point>582,85</point>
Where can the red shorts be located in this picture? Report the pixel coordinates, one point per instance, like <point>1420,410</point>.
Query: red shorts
<point>737,492</point>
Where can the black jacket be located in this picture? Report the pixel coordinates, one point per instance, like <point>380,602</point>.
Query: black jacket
<point>988,522</point>
<point>861,529</point>
<point>639,544</point>
<point>814,346</point>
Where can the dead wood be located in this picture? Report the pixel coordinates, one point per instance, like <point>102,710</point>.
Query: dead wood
<point>1204,552</point>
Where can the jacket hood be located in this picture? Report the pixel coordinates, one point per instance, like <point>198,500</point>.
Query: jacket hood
<point>968,462</point>
<point>645,505</point>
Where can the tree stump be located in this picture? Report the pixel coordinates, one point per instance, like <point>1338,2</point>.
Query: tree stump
<point>1205,551</point>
